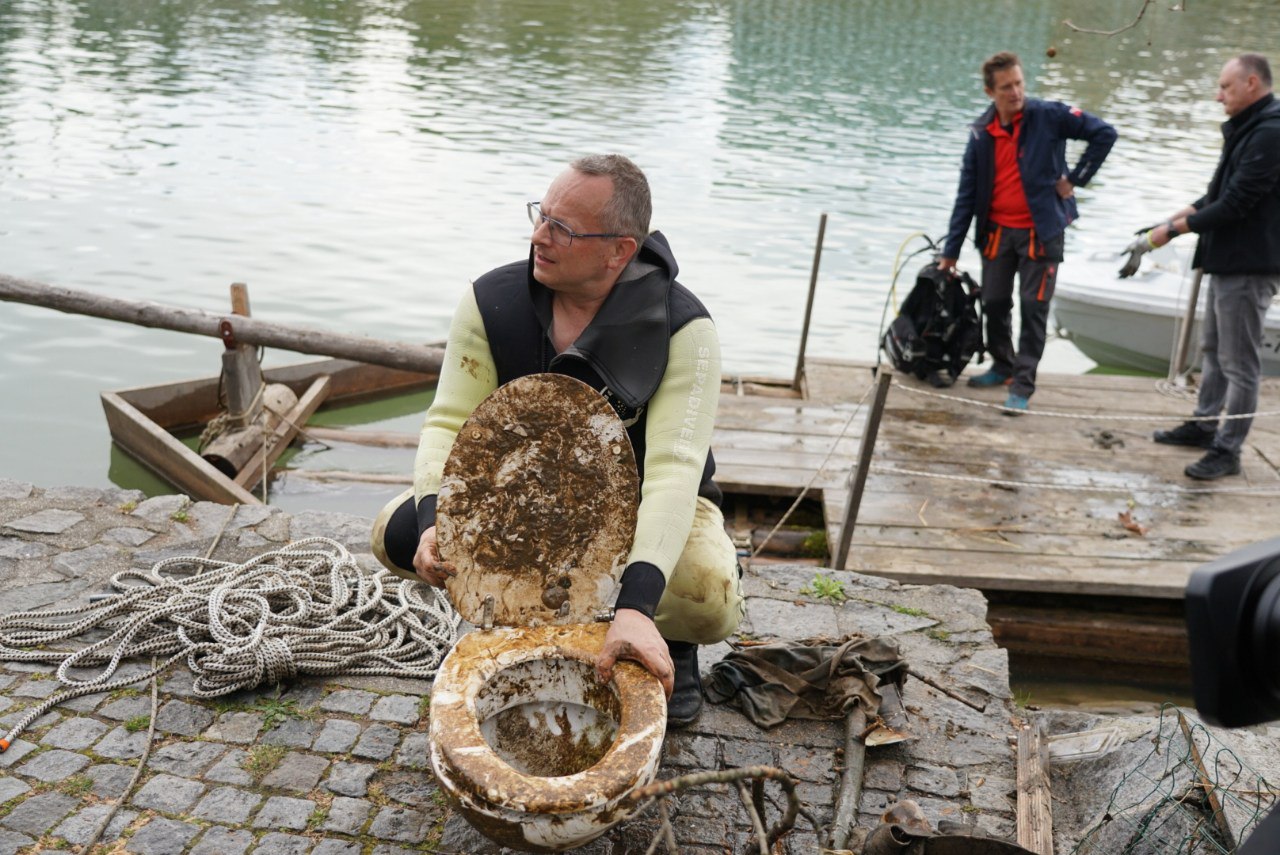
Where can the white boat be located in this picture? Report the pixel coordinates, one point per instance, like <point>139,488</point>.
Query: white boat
<point>1133,323</point>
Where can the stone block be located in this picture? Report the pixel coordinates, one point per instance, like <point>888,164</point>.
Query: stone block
<point>403,825</point>
<point>79,827</point>
<point>291,733</point>
<point>168,794</point>
<point>279,843</point>
<point>350,779</point>
<point>185,759</point>
<point>11,842</point>
<point>11,489</point>
<point>183,718</point>
<point>739,754</point>
<point>11,788</point>
<point>75,733</point>
<point>883,775</point>
<point>128,535</point>
<point>346,815</point>
<point>416,789</point>
<point>159,510</point>
<point>120,744</point>
<point>934,780</point>
<point>779,618</point>
<point>378,742</point>
<point>55,765</point>
<point>84,703</point>
<point>126,708</point>
<point>336,847</point>
<point>38,814</point>
<point>226,804</point>
<point>806,764</point>
<point>690,751</point>
<point>90,560</point>
<point>236,727</point>
<point>229,770</point>
<point>400,709</point>
<point>48,521</point>
<point>162,836</point>
<point>109,779</point>
<point>284,812</point>
<point>19,549</point>
<point>337,736</point>
<point>297,772</point>
<point>220,840</point>
<point>349,701</point>
<point>33,688</point>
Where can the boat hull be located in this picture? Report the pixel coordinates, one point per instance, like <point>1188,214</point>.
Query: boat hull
<point>1134,323</point>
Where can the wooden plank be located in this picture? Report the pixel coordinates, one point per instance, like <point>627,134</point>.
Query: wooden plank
<point>187,403</point>
<point>356,436</point>
<point>1109,636</point>
<point>1035,807</point>
<point>159,451</point>
<point>1038,573</point>
<point>284,433</point>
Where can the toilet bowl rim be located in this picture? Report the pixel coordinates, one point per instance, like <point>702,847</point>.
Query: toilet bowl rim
<point>469,757</point>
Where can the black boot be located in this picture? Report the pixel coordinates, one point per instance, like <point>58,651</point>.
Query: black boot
<point>686,698</point>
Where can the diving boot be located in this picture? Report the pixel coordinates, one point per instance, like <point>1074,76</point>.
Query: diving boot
<point>686,699</point>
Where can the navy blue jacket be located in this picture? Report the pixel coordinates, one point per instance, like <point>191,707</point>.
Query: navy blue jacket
<point>1042,160</point>
<point>1238,220</point>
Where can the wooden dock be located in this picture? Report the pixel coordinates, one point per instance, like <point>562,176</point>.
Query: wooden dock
<point>1031,503</point>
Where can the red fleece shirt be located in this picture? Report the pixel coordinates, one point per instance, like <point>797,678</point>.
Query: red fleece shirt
<point>1008,199</point>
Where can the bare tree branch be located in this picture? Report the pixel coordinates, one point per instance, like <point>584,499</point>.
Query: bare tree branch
<point>1130,26</point>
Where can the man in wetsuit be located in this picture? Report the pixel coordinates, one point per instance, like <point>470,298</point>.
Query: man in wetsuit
<point>1014,181</point>
<point>597,299</point>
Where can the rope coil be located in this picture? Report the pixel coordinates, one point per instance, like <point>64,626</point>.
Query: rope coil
<point>307,608</point>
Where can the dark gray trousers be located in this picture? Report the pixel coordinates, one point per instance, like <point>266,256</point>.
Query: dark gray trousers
<point>1018,252</point>
<point>1232,342</point>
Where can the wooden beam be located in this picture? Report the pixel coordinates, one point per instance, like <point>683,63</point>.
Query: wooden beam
<point>159,451</point>
<point>1035,809</point>
<point>403,355</point>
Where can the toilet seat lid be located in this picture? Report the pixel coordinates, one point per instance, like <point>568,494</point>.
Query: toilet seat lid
<point>537,504</point>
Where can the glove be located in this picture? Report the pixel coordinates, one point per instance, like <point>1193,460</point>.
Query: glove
<point>1140,247</point>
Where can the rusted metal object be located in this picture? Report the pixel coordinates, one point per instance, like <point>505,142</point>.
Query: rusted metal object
<point>534,789</point>
<point>537,506</point>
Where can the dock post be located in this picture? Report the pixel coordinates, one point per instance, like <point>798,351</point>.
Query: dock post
<point>241,375</point>
<point>808,309</point>
<point>1035,812</point>
<point>1181,352</point>
<point>858,477</point>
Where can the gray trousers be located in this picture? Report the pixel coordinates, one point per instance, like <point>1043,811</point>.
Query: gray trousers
<point>1232,344</point>
<point>1017,252</point>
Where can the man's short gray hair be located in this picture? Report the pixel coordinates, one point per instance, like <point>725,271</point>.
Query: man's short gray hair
<point>629,209</point>
<point>1256,63</point>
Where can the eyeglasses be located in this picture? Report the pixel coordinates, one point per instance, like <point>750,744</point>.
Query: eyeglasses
<point>561,234</point>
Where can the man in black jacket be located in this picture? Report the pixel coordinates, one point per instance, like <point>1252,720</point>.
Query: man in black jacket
<point>1238,221</point>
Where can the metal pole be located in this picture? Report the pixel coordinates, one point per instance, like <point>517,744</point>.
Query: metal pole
<point>858,476</point>
<point>808,309</point>
<point>1181,352</point>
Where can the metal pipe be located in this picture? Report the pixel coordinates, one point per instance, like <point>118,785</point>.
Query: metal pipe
<point>858,477</point>
<point>1184,334</point>
<point>808,309</point>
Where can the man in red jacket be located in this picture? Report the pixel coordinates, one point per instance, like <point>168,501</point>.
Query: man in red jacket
<point>1015,183</point>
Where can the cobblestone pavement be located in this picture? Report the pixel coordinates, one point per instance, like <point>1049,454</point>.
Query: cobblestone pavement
<point>337,766</point>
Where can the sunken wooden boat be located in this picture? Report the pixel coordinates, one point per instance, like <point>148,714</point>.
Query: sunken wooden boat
<point>147,421</point>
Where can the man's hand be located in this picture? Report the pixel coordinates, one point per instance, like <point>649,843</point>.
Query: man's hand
<point>427,563</point>
<point>946,264</point>
<point>1065,188</point>
<point>634,636</point>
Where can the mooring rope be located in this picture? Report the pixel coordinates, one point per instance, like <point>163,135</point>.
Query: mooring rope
<point>1057,414</point>
<point>307,608</point>
<point>1079,488</point>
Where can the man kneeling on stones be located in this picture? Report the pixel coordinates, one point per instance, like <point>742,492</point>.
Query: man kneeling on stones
<point>597,300</point>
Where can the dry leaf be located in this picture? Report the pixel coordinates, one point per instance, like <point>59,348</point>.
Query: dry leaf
<point>1130,524</point>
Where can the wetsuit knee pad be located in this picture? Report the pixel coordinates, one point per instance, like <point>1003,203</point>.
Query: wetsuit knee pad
<point>394,539</point>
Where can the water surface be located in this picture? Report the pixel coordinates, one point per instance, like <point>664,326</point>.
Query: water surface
<point>358,162</point>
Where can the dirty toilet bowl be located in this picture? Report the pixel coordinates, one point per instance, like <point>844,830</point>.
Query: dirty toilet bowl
<point>536,511</point>
<point>531,748</point>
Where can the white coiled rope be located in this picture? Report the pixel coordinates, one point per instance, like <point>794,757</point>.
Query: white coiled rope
<point>307,608</point>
